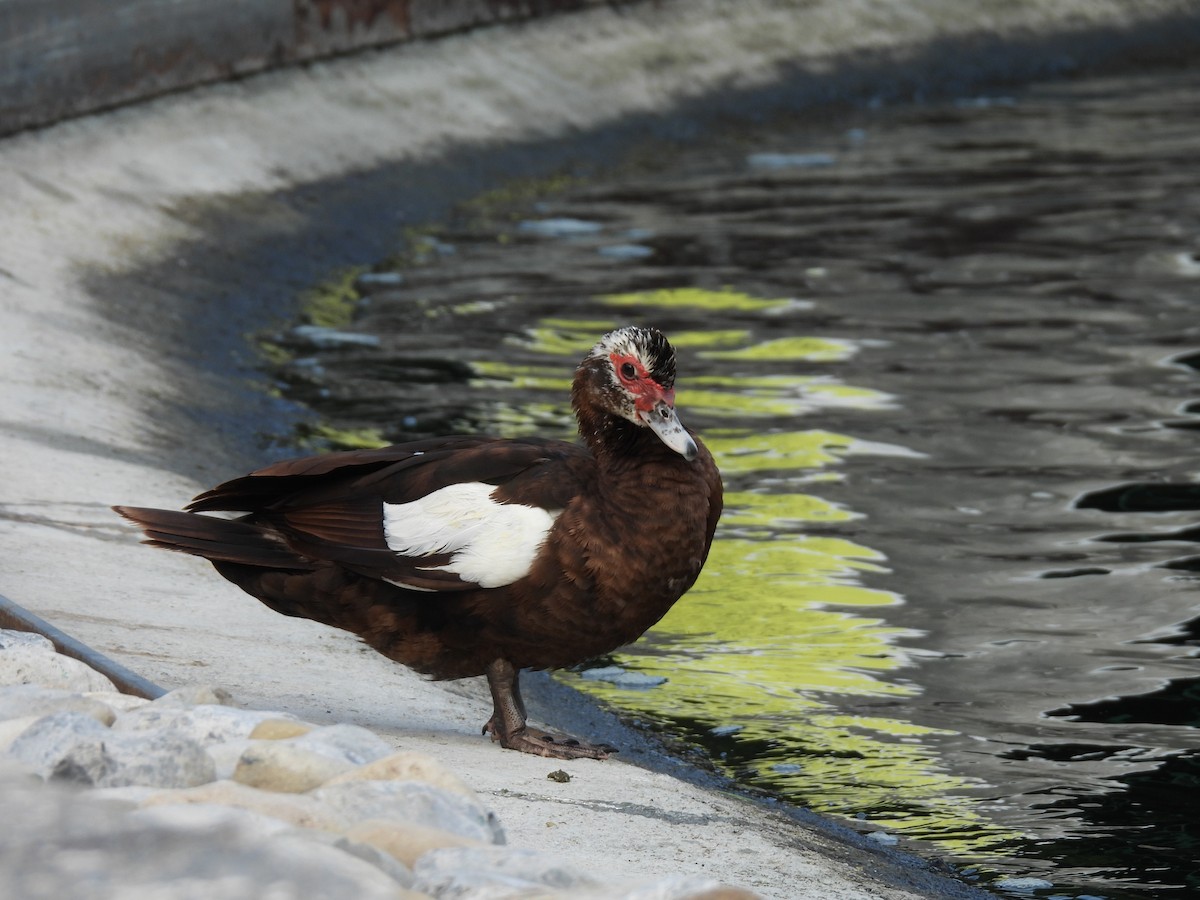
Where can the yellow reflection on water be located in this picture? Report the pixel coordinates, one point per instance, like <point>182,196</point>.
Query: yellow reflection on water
<point>789,349</point>
<point>494,373</point>
<point>777,629</point>
<point>807,391</point>
<point>701,299</point>
<point>779,511</point>
<point>546,419</point>
<point>745,452</point>
<point>567,337</point>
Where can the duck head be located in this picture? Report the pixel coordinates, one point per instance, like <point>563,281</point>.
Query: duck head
<point>629,376</point>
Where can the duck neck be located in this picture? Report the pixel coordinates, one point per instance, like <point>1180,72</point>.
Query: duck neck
<point>617,444</point>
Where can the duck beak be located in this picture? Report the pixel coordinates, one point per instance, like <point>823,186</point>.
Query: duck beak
<point>664,422</point>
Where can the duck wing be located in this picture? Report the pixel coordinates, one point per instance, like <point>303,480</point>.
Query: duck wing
<point>441,515</point>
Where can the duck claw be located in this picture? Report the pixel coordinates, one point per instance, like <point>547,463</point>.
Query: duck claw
<point>541,743</point>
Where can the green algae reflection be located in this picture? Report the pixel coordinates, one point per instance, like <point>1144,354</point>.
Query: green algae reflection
<point>702,300</point>
<point>760,658</point>
<point>778,636</point>
<point>723,393</point>
<point>782,634</point>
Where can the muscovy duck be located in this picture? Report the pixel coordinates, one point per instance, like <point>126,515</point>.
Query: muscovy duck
<point>463,556</point>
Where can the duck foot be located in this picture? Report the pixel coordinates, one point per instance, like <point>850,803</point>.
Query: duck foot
<point>541,743</point>
<point>507,724</point>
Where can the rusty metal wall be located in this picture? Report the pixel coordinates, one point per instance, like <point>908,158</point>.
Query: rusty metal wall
<point>61,58</point>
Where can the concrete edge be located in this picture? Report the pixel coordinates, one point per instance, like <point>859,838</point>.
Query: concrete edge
<point>64,58</point>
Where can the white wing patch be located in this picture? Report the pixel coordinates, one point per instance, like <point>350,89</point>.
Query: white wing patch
<point>492,544</point>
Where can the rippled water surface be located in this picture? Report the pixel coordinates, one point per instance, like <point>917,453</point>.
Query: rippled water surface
<point>947,358</point>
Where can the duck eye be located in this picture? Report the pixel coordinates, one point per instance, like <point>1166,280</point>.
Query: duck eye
<point>628,372</point>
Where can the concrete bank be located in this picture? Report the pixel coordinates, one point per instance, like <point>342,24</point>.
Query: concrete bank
<point>61,58</point>
<point>138,247</point>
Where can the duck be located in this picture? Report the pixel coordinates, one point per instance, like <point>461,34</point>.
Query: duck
<point>472,555</point>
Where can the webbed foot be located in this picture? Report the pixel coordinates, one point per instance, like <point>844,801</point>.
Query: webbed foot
<point>541,743</point>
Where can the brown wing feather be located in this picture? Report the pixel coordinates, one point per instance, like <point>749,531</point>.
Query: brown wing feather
<point>211,538</point>
<point>397,474</point>
<point>289,478</point>
<point>354,523</point>
<point>330,508</point>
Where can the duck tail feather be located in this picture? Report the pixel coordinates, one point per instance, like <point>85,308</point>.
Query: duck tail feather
<point>218,540</point>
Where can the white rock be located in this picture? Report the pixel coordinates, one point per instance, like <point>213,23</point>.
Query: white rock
<point>11,729</point>
<point>27,658</point>
<point>350,743</point>
<point>130,797</point>
<point>385,862</point>
<point>487,872</point>
<point>152,759</point>
<point>195,695</point>
<point>119,702</point>
<point>67,841</point>
<point>287,766</point>
<point>11,639</point>
<point>209,816</point>
<point>225,757</point>
<point>295,809</point>
<point>405,841</point>
<point>675,887</point>
<point>50,738</point>
<point>407,765</point>
<point>412,802</point>
<point>205,723</point>
<point>20,700</point>
<point>74,747</point>
<point>276,728</point>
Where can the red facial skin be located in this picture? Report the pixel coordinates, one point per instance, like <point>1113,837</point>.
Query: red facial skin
<point>647,392</point>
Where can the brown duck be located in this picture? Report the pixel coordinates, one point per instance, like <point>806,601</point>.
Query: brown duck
<point>464,556</point>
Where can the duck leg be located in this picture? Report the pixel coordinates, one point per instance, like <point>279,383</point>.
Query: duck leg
<point>507,724</point>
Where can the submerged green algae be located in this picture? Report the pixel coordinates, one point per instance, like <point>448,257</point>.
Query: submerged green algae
<point>321,437</point>
<point>727,300</point>
<point>788,349</point>
<point>333,302</point>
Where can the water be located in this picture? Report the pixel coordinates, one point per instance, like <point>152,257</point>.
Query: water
<point>948,358</point>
